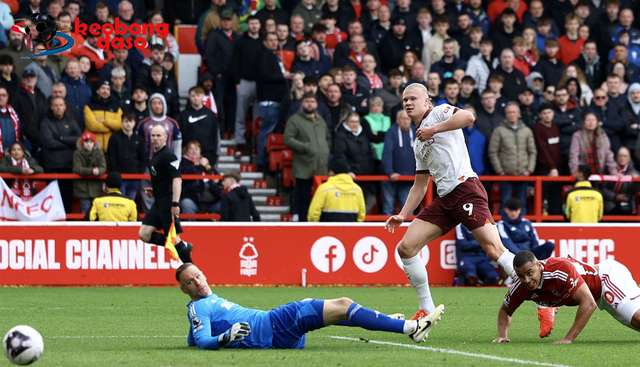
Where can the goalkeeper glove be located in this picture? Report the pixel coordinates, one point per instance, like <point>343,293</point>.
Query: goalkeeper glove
<point>237,332</point>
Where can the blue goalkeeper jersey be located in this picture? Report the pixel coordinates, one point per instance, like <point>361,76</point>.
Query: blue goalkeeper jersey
<point>211,316</point>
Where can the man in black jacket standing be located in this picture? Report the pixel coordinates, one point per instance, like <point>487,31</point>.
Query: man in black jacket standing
<point>125,154</point>
<point>246,51</point>
<point>219,57</point>
<point>30,104</point>
<point>199,123</point>
<point>271,89</point>
<point>237,204</point>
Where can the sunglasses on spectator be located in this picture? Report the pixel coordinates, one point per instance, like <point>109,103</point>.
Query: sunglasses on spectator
<point>600,97</point>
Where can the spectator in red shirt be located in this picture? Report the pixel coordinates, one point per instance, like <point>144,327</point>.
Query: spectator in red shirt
<point>570,44</point>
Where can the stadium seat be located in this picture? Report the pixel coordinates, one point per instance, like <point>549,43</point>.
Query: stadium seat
<point>287,177</point>
<point>275,160</point>
<point>275,142</point>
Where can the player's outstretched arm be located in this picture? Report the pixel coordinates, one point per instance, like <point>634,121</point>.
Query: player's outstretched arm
<point>504,321</point>
<point>460,119</point>
<point>586,306</point>
<point>414,198</point>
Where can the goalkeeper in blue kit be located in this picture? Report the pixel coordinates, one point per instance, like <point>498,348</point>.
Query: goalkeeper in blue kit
<point>217,323</point>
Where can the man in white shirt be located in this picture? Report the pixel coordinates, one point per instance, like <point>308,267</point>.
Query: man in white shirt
<point>441,153</point>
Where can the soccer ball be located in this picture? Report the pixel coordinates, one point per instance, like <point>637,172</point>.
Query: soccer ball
<point>23,345</point>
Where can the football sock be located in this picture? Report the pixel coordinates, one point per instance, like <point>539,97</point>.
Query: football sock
<point>369,319</point>
<point>157,239</point>
<point>417,274</point>
<point>506,262</point>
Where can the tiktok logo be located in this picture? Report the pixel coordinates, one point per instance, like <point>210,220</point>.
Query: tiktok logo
<point>328,254</point>
<point>370,254</point>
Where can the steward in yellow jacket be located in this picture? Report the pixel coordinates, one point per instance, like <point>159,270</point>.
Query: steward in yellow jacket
<point>584,203</point>
<point>113,206</point>
<point>337,200</point>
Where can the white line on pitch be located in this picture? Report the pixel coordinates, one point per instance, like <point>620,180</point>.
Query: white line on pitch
<point>453,351</point>
<point>113,336</point>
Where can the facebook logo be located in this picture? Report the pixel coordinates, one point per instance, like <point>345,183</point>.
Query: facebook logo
<point>328,254</point>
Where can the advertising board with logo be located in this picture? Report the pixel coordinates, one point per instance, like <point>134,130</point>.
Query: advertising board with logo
<point>269,254</point>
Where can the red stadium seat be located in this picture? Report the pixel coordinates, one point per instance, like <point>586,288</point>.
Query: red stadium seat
<point>287,158</point>
<point>287,177</point>
<point>275,142</point>
<point>186,38</point>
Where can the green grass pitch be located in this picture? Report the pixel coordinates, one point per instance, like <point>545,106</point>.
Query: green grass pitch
<point>147,327</point>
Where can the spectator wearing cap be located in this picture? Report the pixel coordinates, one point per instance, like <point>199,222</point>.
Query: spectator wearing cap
<point>246,51</point>
<point>550,162</point>
<point>45,71</point>
<point>78,91</point>
<point>480,65</point>
<point>271,89</point>
<point>103,115</point>
<point>139,106</point>
<point>205,80</point>
<point>272,10</point>
<point>528,107</point>
<point>310,13</point>
<point>59,135</point>
<point>88,161</point>
<point>512,152</point>
<point>535,82</point>
<point>212,20</point>
<point>449,62</point>
<point>30,104</point>
<point>112,206</point>
<point>339,199</point>
<point>589,61</point>
<point>8,77</point>
<point>513,79</point>
<point>518,233</point>
<point>219,58</point>
<point>169,41</point>
<point>549,65</point>
<point>236,204</point>
<point>306,134</point>
<point>398,159</point>
<point>396,43</point>
<point>17,50</point>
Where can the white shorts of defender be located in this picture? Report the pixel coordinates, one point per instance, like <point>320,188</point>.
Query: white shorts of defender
<point>620,293</point>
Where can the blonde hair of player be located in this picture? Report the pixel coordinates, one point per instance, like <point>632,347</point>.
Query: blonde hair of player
<point>428,104</point>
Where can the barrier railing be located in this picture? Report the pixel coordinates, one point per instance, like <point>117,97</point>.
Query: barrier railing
<point>125,176</point>
<point>536,215</point>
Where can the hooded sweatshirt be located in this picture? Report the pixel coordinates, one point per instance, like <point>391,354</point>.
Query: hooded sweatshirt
<point>174,136</point>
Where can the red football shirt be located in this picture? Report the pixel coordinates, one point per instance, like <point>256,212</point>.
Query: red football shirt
<point>561,277</point>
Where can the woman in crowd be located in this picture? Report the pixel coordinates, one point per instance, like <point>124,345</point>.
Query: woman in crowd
<point>19,161</point>
<point>590,146</point>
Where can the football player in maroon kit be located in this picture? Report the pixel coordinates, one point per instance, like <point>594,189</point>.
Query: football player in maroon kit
<point>568,282</point>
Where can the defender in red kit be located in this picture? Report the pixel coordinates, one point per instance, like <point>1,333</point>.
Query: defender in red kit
<point>568,282</point>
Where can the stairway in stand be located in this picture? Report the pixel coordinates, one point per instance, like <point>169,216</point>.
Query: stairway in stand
<point>271,206</point>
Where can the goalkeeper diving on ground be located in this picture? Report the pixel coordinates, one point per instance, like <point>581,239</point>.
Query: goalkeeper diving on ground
<point>217,323</point>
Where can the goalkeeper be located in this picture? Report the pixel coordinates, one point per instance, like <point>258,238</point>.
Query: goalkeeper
<point>217,323</point>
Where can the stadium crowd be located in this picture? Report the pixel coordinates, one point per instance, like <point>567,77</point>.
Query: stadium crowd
<point>554,85</point>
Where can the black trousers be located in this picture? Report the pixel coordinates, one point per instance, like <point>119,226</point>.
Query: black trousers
<point>302,197</point>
